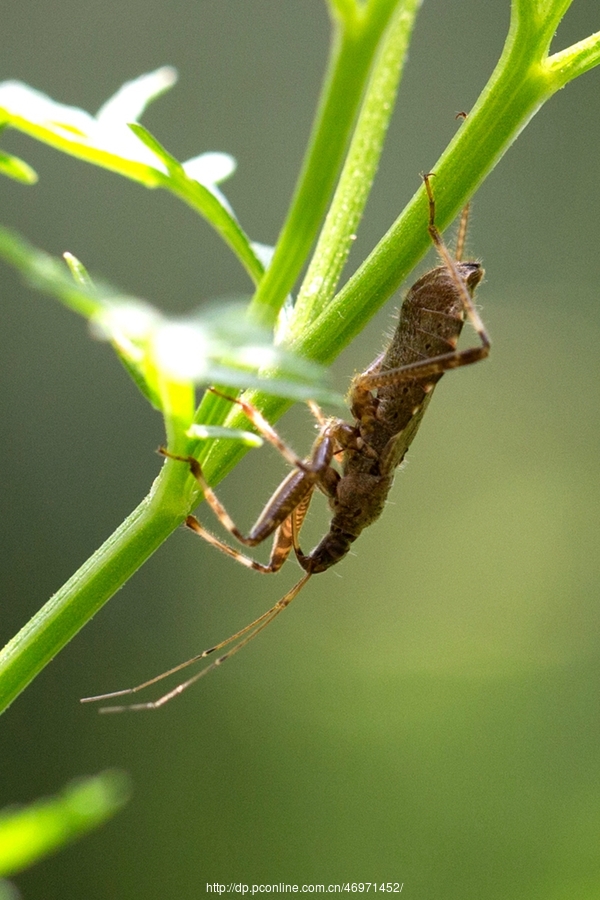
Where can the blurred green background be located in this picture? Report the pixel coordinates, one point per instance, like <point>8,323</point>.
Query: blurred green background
<point>427,712</point>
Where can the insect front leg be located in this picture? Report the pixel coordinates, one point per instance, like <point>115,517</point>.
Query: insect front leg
<point>465,285</point>
<point>293,490</point>
<point>274,519</point>
<point>293,493</point>
<point>461,279</point>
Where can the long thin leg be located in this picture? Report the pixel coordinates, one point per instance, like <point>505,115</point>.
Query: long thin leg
<point>266,429</point>
<point>243,637</point>
<point>295,489</point>
<point>455,358</point>
<point>433,366</point>
<point>290,527</point>
<point>282,541</point>
<point>280,549</point>
<point>451,264</point>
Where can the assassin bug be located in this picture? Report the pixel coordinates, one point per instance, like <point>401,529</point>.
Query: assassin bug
<point>387,402</point>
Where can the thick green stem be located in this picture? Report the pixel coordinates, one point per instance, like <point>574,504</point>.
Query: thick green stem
<point>516,91</point>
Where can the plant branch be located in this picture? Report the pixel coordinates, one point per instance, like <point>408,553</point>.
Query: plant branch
<point>521,83</point>
<point>359,170</point>
<point>575,60</point>
<point>354,43</point>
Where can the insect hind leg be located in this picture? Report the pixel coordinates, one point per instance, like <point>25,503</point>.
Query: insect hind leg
<point>243,637</point>
<point>295,491</point>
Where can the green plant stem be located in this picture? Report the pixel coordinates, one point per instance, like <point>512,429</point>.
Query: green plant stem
<point>354,43</point>
<point>345,213</point>
<point>575,60</point>
<point>521,83</point>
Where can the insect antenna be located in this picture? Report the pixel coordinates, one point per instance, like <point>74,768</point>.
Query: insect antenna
<point>246,634</point>
<point>461,237</point>
<point>464,218</point>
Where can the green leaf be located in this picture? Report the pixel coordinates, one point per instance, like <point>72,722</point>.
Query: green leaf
<point>114,140</point>
<point>172,166</point>
<point>30,833</point>
<point>17,169</point>
<point>218,345</point>
<point>45,273</point>
<point>78,270</point>
<point>104,139</point>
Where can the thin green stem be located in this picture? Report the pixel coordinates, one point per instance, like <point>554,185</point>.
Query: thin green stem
<point>575,60</point>
<point>517,89</point>
<point>353,47</point>
<point>359,170</point>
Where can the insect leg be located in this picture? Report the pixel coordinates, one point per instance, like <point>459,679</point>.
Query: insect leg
<point>266,429</point>
<point>274,519</point>
<point>423,369</point>
<point>451,264</point>
<point>243,637</point>
<point>295,489</point>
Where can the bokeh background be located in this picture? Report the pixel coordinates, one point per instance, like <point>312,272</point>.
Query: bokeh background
<point>428,712</point>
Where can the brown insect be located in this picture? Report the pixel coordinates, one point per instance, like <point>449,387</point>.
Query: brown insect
<point>387,402</point>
